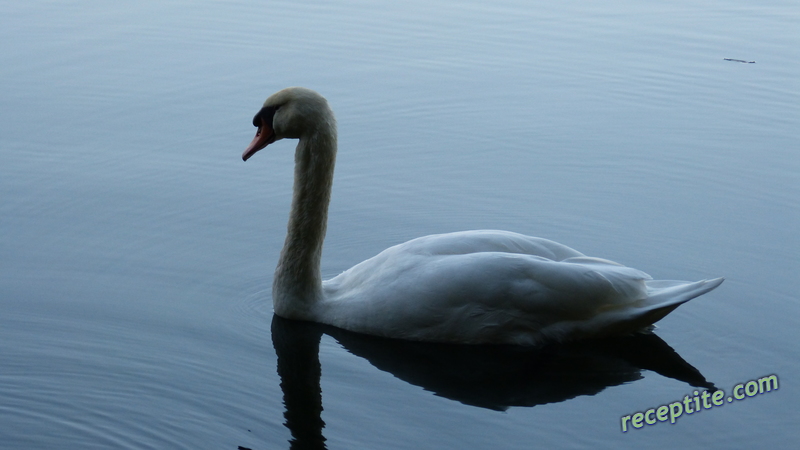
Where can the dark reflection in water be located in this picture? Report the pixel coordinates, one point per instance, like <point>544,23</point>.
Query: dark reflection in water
<point>488,376</point>
<point>297,346</point>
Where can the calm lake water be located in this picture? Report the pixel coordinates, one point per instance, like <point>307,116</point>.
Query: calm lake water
<point>137,249</point>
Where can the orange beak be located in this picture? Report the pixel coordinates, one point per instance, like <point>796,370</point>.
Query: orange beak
<point>264,136</point>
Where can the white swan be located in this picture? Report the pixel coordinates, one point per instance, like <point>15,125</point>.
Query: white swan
<point>466,287</point>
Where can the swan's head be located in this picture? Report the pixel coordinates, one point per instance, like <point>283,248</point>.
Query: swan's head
<point>289,113</point>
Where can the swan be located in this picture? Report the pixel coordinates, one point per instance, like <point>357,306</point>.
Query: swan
<point>468,287</point>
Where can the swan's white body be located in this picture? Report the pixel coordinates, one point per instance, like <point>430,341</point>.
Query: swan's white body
<point>467,287</point>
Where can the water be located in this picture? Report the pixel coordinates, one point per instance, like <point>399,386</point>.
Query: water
<point>136,249</point>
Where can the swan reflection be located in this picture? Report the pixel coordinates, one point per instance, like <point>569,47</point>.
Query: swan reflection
<point>487,376</point>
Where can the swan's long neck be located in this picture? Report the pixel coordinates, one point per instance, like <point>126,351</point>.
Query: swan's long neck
<point>297,285</point>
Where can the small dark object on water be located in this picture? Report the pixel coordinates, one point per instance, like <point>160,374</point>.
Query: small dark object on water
<point>739,60</point>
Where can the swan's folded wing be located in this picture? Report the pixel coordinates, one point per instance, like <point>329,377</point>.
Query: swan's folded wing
<point>476,297</point>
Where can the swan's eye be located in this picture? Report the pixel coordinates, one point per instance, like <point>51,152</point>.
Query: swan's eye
<point>265,115</point>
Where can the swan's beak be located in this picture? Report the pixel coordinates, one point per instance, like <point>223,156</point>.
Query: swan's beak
<point>264,136</point>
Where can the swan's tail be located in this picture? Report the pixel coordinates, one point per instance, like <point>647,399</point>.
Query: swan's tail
<point>663,297</point>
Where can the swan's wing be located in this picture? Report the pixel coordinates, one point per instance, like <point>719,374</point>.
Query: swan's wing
<point>476,297</point>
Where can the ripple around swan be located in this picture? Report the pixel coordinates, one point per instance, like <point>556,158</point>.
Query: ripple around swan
<point>256,307</point>
<point>257,302</point>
